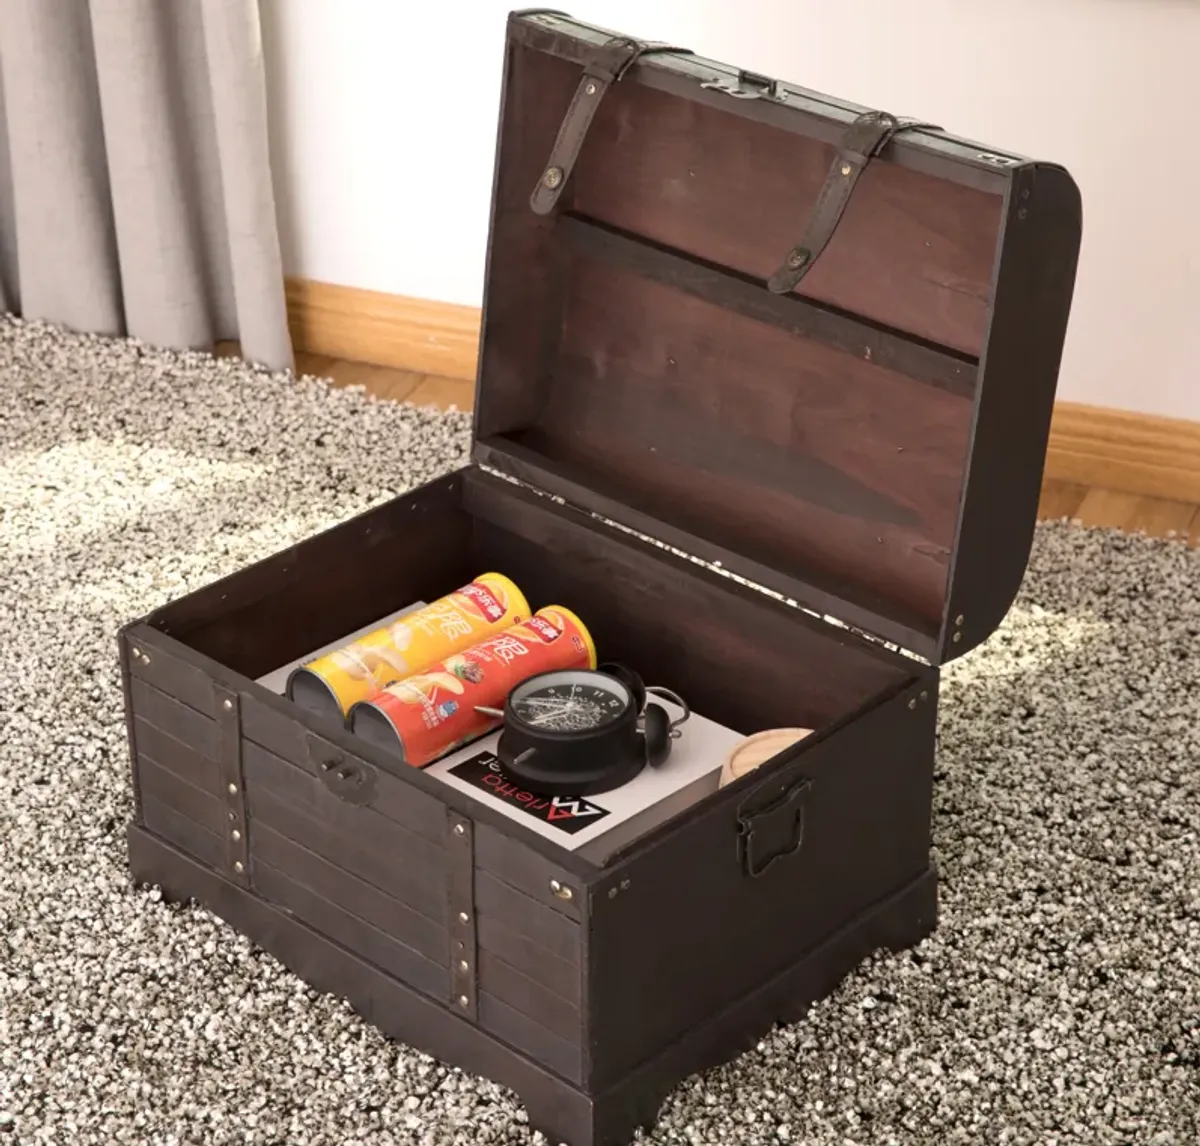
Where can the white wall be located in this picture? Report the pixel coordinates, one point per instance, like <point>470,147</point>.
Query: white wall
<point>384,118</point>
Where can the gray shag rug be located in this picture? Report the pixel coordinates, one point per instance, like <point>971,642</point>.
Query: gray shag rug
<point>1058,1002</point>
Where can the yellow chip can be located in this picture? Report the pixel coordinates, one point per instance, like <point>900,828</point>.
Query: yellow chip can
<point>331,685</point>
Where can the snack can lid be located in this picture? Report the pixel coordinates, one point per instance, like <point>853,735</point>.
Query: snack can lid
<point>574,620</point>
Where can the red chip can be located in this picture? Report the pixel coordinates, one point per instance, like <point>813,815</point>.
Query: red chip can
<point>423,717</point>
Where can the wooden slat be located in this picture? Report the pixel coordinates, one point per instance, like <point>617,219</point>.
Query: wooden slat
<point>383,381</point>
<point>518,1030</point>
<point>162,785</point>
<point>174,676</point>
<point>529,995</point>
<point>1158,517</point>
<point>350,931</point>
<point>444,393</point>
<point>388,330</point>
<point>174,718</point>
<point>1125,451</point>
<point>266,728</point>
<point>183,832</point>
<point>177,757</point>
<point>357,896</point>
<point>1059,499</point>
<point>527,871</point>
<point>540,924</point>
<point>359,841</point>
<point>497,938</point>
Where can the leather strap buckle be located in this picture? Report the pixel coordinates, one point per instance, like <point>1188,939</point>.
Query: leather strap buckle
<point>865,138</point>
<point>608,66</point>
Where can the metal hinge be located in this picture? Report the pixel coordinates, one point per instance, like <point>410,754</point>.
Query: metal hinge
<point>712,567</point>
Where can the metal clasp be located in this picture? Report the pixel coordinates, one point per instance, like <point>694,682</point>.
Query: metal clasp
<point>750,85</point>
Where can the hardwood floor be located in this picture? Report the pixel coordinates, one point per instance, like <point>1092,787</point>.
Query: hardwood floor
<point>1157,517</point>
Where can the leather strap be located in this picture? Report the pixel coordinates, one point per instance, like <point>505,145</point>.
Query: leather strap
<point>869,134</point>
<point>607,66</point>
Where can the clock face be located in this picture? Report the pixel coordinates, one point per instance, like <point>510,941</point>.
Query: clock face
<point>571,701</point>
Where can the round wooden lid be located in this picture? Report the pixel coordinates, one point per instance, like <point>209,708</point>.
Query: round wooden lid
<point>756,749</point>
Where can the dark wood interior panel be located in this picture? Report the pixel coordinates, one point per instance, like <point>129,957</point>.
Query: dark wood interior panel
<point>358,840</point>
<point>912,251</point>
<point>739,658</point>
<point>772,446</point>
<point>322,878</point>
<point>297,600</point>
<point>349,930</point>
<point>520,323</point>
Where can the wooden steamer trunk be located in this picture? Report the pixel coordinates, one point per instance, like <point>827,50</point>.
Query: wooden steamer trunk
<point>862,440</point>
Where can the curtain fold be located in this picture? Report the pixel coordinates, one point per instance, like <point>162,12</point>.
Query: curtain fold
<point>135,183</point>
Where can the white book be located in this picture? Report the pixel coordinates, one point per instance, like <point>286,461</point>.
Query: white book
<point>597,825</point>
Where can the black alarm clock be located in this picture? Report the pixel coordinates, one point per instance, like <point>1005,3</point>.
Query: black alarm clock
<point>578,732</point>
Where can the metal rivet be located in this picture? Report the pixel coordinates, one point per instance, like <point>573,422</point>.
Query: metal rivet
<point>957,637</point>
<point>136,654</point>
<point>233,789</point>
<point>1022,213</point>
<point>464,1001</point>
<point>846,169</point>
<point>912,704</point>
<point>612,893</point>
<point>463,965</point>
<point>233,815</point>
<point>624,885</point>
<point>553,177</point>
<point>959,619</point>
<point>236,834</point>
<point>463,917</point>
<point>924,696</point>
<point>460,830</point>
<point>239,866</point>
<point>796,259</point>
<point>560,890</point>
<point>590,88</point>
<point>228,706</point>
<point>145,658</point>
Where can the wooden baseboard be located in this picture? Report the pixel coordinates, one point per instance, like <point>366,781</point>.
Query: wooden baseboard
<point>1091,446</point>
<point>1124,451</point>
<point>414,334</point>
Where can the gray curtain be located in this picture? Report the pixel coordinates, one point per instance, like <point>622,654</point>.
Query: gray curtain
<point>135,184</point>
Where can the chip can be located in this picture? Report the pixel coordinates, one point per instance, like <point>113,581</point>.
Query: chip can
<point>331,685</point>
<point>427,715</point>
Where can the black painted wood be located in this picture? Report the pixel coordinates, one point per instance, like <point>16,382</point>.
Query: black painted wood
<point>506,943</point>
<point>178,757</point>
<point>562,1111</point>
<point>868,449</point>
<point>423,935</point>
<point>332,918</point>
<point>717,931</point>
<point>539,924</point>
<point>175,718</point>
<point>161,784</point>
<point>359,840</point>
